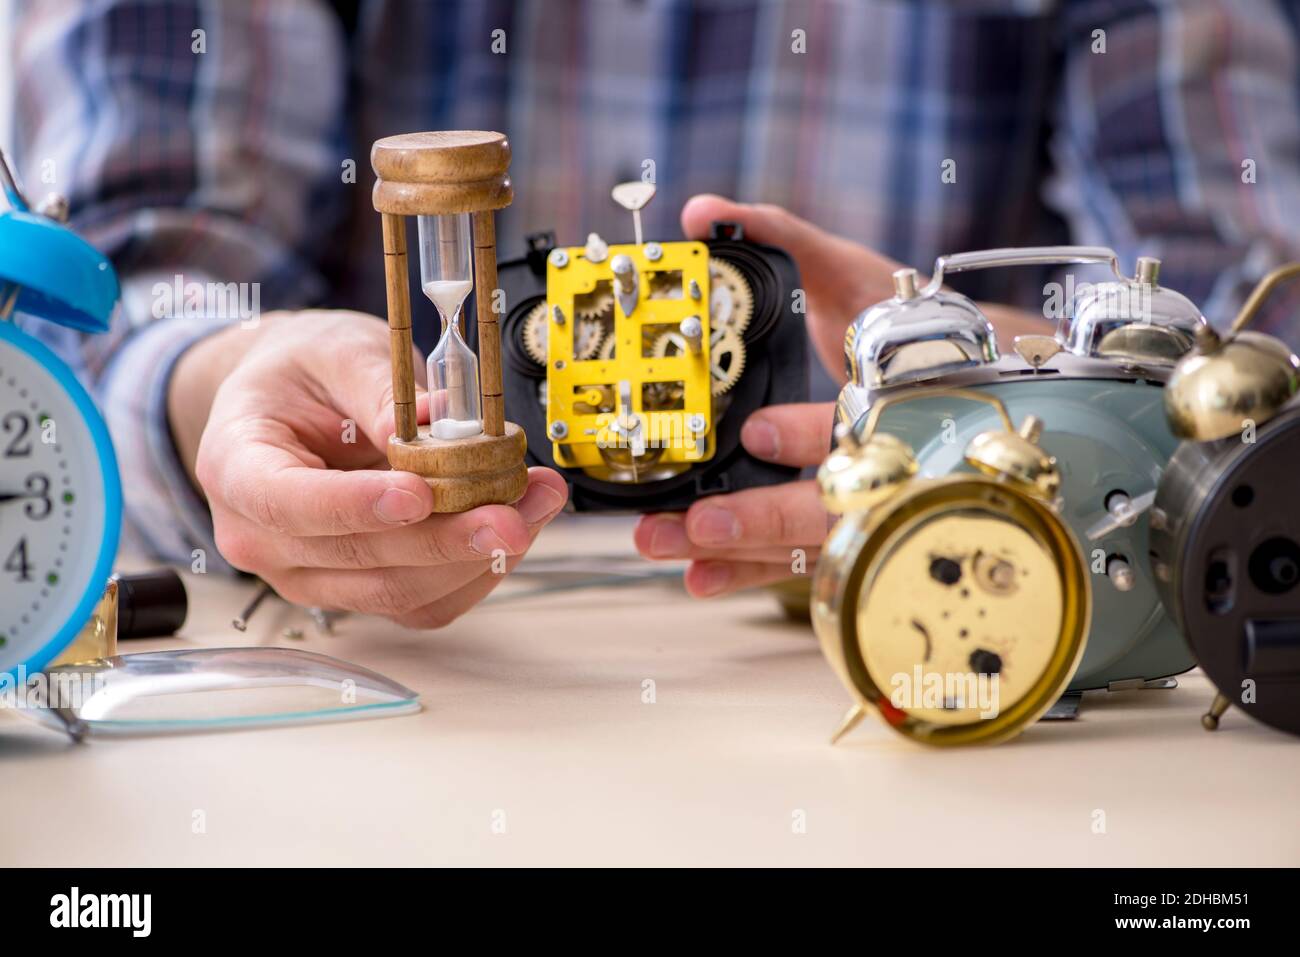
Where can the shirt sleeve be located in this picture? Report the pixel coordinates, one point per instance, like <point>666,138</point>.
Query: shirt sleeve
<point>1176,133</point>
<point>201,145</point>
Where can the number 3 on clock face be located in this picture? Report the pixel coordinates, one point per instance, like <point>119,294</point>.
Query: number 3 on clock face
<point>60,503</point>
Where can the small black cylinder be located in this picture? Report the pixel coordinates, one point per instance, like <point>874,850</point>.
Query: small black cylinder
<point>151,604</point>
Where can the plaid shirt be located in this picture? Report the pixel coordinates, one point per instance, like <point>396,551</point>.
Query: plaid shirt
<point>232,164</point>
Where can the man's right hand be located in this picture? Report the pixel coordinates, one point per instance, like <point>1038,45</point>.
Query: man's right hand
<point>284,428</point>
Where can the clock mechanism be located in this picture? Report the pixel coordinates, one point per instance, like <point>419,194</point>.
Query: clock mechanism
<point>632,367</point>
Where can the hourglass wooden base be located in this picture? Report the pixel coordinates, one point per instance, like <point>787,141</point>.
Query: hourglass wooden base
<point>466,473</point>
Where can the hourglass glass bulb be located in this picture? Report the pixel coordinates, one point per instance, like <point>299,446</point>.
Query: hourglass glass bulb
<point>446,276</point>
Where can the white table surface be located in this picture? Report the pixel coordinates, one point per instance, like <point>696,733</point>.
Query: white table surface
<point>533,719</point>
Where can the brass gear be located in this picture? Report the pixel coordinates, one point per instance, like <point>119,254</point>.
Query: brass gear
<point>668,344</point>
<point>731,300</point>
<point>726,356</point>
<point>535,333</point>
<point>594,305</point>
<point>589,335</point>
<point>726,361</point>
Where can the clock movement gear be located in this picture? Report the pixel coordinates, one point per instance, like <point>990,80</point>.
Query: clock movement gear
<point>534,326</point>
<point>590,334</point>
<point>731,300</point>
<point>726,356</point>
<point>595,305</point>
<point>726,361</point>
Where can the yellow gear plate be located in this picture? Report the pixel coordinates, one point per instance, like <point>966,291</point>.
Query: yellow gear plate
<point>587,396</point>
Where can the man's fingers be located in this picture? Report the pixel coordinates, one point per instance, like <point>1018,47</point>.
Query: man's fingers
<point>790,514</point>
<point>388,592</point>
<point>423,597</point>
<point>833,265</point>
<point>814,248</point>
<point>546,495</point>
<point>768,521</point>
<point>360,383</point>
<point>273,489</point>
<point>711,579</point>
<point>487,532</point>
<point>482,533</point>
<point>798,434</point>
<point>663,537</point>
<point>441,613</point>
<point>841,277</point>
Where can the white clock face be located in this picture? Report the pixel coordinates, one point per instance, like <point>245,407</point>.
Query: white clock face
<point>53,510</point>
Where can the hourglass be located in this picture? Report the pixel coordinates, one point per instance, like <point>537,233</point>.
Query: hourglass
<point>452,182</point>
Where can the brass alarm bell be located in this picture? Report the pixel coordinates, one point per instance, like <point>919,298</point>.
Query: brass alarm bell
<point>1226,384</point>
<point>1015,455</point>
<point>1225,531</point>
<point>857,475</point>
<point>956,607</point>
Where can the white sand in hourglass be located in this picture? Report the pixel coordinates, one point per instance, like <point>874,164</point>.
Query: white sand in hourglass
<point>448,295</point>
<point>452,366</point>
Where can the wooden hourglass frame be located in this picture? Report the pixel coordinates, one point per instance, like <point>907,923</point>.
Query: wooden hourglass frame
<point>438,174</point>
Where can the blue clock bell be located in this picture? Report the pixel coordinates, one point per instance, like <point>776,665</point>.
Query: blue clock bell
<point>60,494</point>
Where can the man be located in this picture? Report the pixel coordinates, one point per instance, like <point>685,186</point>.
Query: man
<point>227,142</point>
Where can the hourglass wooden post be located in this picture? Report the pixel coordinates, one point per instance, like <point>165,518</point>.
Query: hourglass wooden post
<point>441,177</point>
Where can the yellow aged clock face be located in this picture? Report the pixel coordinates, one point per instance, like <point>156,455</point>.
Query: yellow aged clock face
<point>961,617</point>
<point>958,609</point>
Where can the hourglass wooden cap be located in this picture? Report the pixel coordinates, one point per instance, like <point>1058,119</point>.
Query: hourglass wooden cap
<point>435,173</point>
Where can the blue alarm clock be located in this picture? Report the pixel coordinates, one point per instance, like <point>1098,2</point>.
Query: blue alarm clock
<point>60,494</point>
<point>1098,383</point>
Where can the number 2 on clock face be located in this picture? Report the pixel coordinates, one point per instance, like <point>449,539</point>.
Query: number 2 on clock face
<point>59,503</point>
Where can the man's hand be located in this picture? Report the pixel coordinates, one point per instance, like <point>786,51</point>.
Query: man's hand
<point>839,277</point>
<point>285,428</point>
<point>748,538</point>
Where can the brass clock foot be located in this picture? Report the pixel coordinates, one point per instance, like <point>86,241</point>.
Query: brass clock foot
<point>851,721</point>
<point>1210,720</point>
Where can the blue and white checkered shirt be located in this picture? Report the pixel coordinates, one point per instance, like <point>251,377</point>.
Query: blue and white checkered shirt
<point>228,154</point>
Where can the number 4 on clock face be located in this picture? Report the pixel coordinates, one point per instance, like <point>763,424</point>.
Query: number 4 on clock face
<point>17,562</point>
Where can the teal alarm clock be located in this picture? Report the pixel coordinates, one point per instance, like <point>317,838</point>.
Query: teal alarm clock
<point>1098,382</point>
<point>60,493</point>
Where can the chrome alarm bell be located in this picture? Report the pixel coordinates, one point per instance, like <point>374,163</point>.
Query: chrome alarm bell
<point>1134,321</point>
<point>1225,529</point>
<point>956,607</point>
<point>919,335</point>
<point>1098,381</point>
